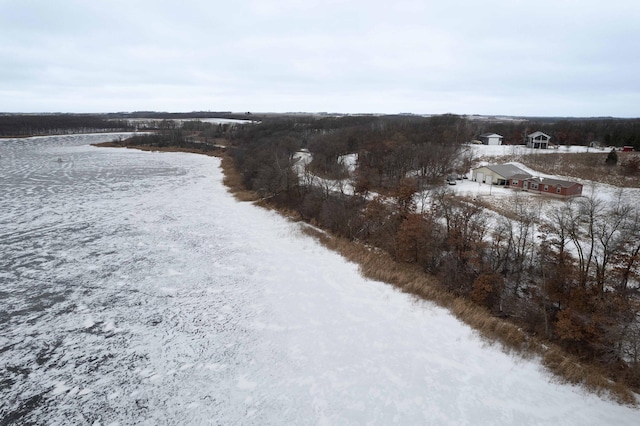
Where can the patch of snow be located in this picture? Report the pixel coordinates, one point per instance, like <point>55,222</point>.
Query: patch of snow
<point>349,161</point>
<point>245,384</point>
<point>480,151</point>
<point>60,388</point>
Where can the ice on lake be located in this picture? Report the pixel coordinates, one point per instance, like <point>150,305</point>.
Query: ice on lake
<point>135,290</point>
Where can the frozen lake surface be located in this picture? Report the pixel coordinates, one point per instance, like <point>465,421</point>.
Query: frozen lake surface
<point>135,290</point>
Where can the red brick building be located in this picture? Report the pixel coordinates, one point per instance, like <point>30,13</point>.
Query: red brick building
<point>553,187</point>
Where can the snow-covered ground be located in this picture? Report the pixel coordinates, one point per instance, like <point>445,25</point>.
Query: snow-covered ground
<point>136,290</point>
<point>480,151</point>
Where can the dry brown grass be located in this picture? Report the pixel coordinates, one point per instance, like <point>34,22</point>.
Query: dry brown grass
<point>109,145</point>
<point>123,144</point>
<point>233,180</point>
<point>570,370</point>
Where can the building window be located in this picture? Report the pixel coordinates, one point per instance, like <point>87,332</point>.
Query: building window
<point>534,186</point>
<point>558,190</point>
<point>546,187</point>
<point>514,182</point>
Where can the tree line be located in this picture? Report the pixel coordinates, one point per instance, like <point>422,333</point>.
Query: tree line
<point>606,131</point>
<point>21,125</point>
<point>190,135</point>
<point>48,124</point>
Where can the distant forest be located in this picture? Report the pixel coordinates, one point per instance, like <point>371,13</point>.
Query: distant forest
<point>22,125</point>
<point>574,131</point>
<point>19,125</point>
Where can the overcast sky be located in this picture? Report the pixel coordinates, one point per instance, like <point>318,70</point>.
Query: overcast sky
<point>511,57</point>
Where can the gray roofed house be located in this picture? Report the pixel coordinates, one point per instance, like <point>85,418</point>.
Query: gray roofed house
<point>498,174</point>
<point>556,182</point>
<point>520,176</point>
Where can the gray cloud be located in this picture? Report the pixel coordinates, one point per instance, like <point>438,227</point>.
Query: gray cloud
<point>492,57</point>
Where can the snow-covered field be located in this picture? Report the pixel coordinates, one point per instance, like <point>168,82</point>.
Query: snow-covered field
<point>498,150</point>
<point>135,290</point>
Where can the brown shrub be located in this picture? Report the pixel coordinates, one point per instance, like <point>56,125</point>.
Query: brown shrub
<point>233,180</point>
<point>631,165</point>
<point>486,290</point>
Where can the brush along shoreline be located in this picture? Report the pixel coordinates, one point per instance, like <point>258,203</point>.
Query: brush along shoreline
<point>378,265</point>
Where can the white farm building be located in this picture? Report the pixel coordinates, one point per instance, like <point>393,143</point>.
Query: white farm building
<point>498,174</point>
<point>491,139</point>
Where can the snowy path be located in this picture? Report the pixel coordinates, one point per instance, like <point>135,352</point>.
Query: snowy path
<point>135,290</point>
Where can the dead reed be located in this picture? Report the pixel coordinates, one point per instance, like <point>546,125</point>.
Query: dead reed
<point>233,180</point>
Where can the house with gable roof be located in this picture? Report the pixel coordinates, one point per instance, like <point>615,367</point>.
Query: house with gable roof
<point>512,176</point>
<point>538,140</point>
<point>497,174</point>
